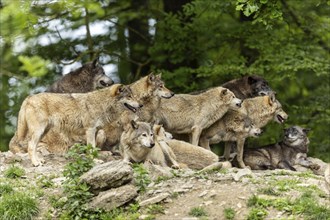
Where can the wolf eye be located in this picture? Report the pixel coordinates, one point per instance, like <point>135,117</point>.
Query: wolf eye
<point>151,134</point>
<point>144,135</point>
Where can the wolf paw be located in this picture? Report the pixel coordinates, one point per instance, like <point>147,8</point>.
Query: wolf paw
<point>315,166</point>
<point>38,162</point>
<point>175,166</point>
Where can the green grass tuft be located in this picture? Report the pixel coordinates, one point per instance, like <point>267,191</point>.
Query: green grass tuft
<point>257,214</point>
<point>5,189</point>
<point>197,212</point>
<point>18,206</point>
<point>14,172</point>
<point>229,213</point>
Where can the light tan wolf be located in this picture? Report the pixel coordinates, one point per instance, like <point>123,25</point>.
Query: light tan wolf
<point>148,91</point>
<point>260,111</point>
<point>190,114</point>
<point>79,114</point>
<point>140,142</point>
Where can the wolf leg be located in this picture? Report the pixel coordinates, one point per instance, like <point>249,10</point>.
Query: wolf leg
<point>240,149</point>
<point>227,151</point>
<point>90,136</point>
<point>32,146</point>
<point>195,134</point>
<point>285,165</point>
<point>169,155</point>
<point>204,143</point>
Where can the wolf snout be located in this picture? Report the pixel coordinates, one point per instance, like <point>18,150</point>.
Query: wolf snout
<point>106,84</point>
<point>140,106</point>
<point>259,133</point>
<point>239,104</point>
<point>152,145</point>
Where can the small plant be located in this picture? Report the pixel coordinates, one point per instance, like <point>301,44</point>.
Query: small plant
<point>269,191</point>
<point>258,202</point>
<point>5,189</point>
<point>197,212</point>
<point>14,172</point>
<point>229,213</point>
<point>77,193</point>
<point>44,182</point>
<point>142,179</point>
<point>257,214</point>
<point>18,206</point>
<point>155,209</point>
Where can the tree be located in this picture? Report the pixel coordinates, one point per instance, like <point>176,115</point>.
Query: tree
<point>196,44</point>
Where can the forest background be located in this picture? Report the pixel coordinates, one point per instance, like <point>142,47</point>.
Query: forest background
<point>196,44</point>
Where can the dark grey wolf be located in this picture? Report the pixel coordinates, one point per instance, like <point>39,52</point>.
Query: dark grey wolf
<point>77,114</point>
<point>87,78</point>
<point>292,150</point>
<point>249,87</point>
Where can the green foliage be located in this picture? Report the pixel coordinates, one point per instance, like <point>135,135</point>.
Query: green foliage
<point>155,209</point>
<point>257,214</point>
<point>18,205</point>
<point>229,213</point>
<point>14,172</point>
<point>141,177</point>
<point>197,212</point>
<point>77,193</point>
<point>35,66</point>
<point>5,189</point>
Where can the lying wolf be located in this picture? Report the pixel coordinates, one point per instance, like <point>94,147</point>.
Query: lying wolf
<point>190,114</point>
<point>260,110</point>
<point>77,114</point>
<point>87,78</point>
<point>291,151</point>
<point>249,87</point>
<point>140,142</point>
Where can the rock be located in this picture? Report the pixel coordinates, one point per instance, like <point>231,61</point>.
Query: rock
<point>108,175</point>
<point>155,199</point>
<point>157,171</point>
<point>114,198</point>
<point>241,173</point>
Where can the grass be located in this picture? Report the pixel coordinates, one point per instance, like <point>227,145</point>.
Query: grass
<point>18,205</point>
<point>229,213</point>
<point>14,172</point>
<point>257,214</point>
<point>5,189</point>
<point>197,212</point>
<point>269,191</point>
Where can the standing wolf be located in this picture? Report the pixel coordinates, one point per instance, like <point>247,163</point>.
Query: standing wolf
<point>292,150</point>
<point>87,78</point>
<point>80,114</point>
<point>259,110</point>
<point>190,114</point>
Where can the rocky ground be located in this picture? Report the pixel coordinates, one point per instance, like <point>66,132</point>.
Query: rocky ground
<point>167,194</point>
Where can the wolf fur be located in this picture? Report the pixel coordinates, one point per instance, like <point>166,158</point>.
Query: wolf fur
<point>193,156</point>
<point>249,87</point>
<point>292,150</point>
<point>87,78</point>
<point>260,110</point>
<point>77,113</point>
<point>190,114</point>
<point>149,90</point>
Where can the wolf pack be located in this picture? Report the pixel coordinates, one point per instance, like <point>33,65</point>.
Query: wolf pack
<point>146,122</point>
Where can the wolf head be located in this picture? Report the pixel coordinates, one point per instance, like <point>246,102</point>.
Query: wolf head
<point>228,97</point>
<point>125,96</point>
<point>161,134</point>
<point>157,86</point>
<point>250,128</point>
<point>96,72</point>
<point>259,86</point>
<point>296,136</point>
<point>142,134</point>
<point>280,115</point>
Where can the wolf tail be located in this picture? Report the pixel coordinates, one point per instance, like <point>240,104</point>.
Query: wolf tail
<point>22,127</point>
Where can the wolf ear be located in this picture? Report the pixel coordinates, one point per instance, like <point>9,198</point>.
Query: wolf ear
<point>251,80</point>
<point>96,63</point>
<point>151,77</point>
<point>116,89</point>
<point>306,130</point>
<point>157,128</point>
<point>134,124</point>
<point>224,92</point>
<point>159,76</point>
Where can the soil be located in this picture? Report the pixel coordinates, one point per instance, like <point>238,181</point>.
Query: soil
<point>212,191</point>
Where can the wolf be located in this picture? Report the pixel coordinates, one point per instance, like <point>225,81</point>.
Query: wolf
<point>75,113</point>
<point>260,110</point>
<point>249,87</point>
<point>87,78</point>
<point>190,114</point>
<point>292,150</point>
<point>149,90</point>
